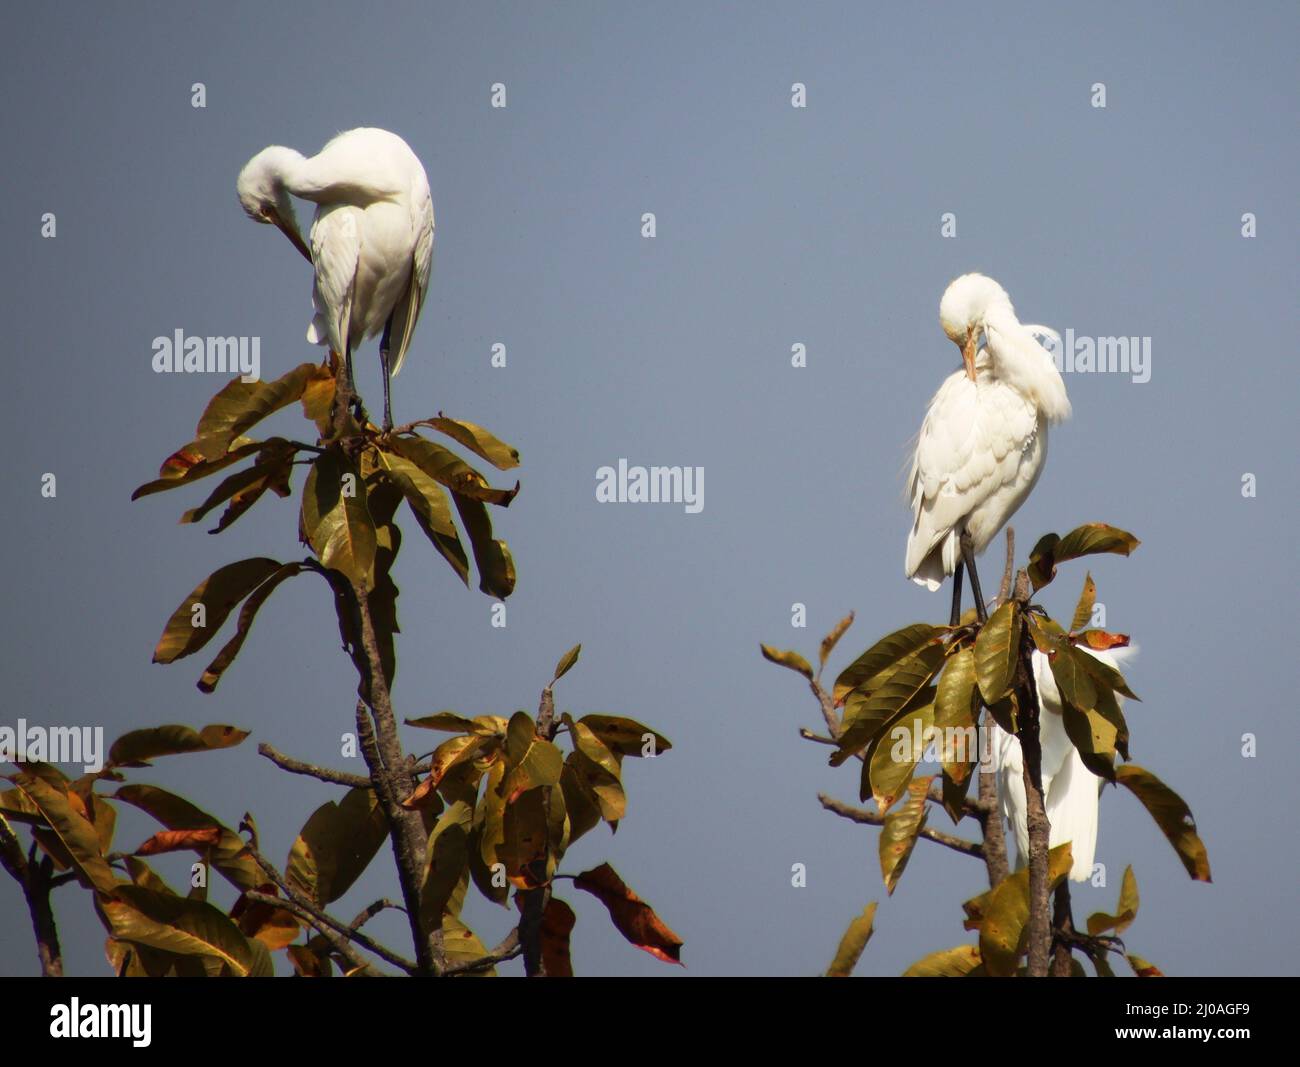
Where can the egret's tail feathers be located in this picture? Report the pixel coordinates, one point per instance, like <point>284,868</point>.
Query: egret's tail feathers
<point>318,331</point>
<point>929,563</point>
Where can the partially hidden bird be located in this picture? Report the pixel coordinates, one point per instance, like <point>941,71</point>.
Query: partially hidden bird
<point>1071,792</point>
<point>371,240</point>
<point>983,443</point>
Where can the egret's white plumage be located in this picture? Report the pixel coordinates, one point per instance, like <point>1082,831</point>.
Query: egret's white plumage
<point>1071,792</point>
<point>984,439</point>
<point>372,238</point>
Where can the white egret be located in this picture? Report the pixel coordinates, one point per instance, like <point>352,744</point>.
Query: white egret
<point>371,241</point>
<point>1071,792</point>
<point>984,439</point>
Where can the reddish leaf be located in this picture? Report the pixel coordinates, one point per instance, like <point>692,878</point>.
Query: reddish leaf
<point>632,916</point>
<point>179,841</point>
<point>1100,640</point>
<point>558,921</point>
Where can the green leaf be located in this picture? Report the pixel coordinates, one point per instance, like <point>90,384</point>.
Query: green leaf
<point>869,669</point>
<point>1002,913</point>
<point>496,567</point>
<point>208,682</point>
<point>866,714</point>
<point>852,943</point>
<point>446,468</point>
<point>997,649</point>
<point>446,868</point>
<point>138,747</point>
<point>832,639</point>
<point>950,963</point>
<point>955,711</point>
<point>218,593</point>
<point>540,766</point>
<point>1171,814</point>
<point>566,663</point>
<point>1088,540</point>
<point>461,946</point>
<point>187,464</point>
<point>184,926</point>
<point>272,463</point>
<point>338,526</point>
<point>229,856</point>
<point>241,405</point>
<point>1083,611</point>
<point>432,510</point>
<point>891,760</point>
<point>626,736</point>
<point>74,831</point>
<point>790,660</point>
<point>336,845</point>
<point>900,831</point>
<point>479,441</point>
<point>1100,922</point>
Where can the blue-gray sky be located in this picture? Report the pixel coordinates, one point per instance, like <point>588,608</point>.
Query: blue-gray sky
<point>776,226</point>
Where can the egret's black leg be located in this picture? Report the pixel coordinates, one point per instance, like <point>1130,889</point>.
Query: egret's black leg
<point>968,554</point>
<point>956,595</point>
<point>383,362</point>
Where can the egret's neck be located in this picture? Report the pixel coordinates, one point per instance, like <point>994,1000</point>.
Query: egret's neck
<point>1020,361</point>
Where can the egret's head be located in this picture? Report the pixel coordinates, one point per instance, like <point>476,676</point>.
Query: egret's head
<point>963,309</point>
<point>264,194</point>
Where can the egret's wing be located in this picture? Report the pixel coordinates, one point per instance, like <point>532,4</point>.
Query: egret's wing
<point>357,167</point>
<point>406,312</point>
<point>1008,769</point>
<point>970,446</point>
<point>335,249</point>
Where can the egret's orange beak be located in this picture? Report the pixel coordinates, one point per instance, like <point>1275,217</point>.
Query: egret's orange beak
<point>968,351</point>
<point>274,216</point>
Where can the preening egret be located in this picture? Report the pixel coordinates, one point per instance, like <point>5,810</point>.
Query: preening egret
<point>371,241</point>
<point>984,439</point>
<point>1071,792</point>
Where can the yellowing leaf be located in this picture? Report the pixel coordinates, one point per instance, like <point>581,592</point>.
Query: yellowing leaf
<point>852,943</point>
<point>138,747</point>
<point>336,521</point>
<point>997,649</point>
<point>1083,610</point>
<point>950,963</point>
<point>218,594</point>
<point>241,405</point>
<point>1088,540</point>
<point>1100,922</point>
<point>899,833</point>
<point>1171,814</point>
<point>336,845</point>
<point>480,441</point>
<point>869,669</point>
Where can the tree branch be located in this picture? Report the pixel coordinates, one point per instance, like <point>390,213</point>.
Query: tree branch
<point>34,877</point>
<point>870,818</point>
<point>294,766</point>
<point>321,920</point>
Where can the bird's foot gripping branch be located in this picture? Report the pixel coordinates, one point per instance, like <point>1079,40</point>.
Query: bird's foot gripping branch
<point>499,804</point>
<point>959,690</point>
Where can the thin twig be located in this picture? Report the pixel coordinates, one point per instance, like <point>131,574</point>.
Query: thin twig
<point>870,818</point>
<point>321,917</point>
<point>295,766</point>
<point>35,878</point>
